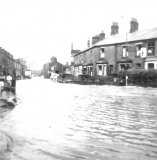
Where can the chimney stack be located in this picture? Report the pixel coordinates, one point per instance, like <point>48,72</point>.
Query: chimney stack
<point>133,25</point>
<point>114,28</point>
<point>88,43</point>
<point>95,39</point>
<point>101,36</point>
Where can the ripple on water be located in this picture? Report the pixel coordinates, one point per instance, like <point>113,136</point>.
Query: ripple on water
<point>68,121</point>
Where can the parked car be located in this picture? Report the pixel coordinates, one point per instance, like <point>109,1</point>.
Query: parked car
<point>60,78</point>
<point>83,79</point>
<point>65,78</point>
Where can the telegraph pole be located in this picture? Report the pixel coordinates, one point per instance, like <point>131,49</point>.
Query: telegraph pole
<point>126,76</point>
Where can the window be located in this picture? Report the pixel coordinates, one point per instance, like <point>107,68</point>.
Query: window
<point>138,50</point>
<point>138,65</point>
<point>151,49</point>
<point>125,54</point>
<point>100,67</point>
<point>150,65</point>
<point>122,66</point>
<point>102,52</point>
<point>111,68</point>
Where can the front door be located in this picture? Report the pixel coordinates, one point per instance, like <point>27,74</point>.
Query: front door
<point>100,70</point>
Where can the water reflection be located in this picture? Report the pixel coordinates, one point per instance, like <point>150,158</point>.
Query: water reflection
<point>68,121</point>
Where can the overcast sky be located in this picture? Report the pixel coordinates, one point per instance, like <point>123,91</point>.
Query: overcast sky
<point>39,29</point>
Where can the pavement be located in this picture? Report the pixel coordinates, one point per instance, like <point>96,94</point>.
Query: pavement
<point>5,140</point>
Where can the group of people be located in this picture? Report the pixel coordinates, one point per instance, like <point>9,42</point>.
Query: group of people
<point>54,77</point>
<point>6,81</point>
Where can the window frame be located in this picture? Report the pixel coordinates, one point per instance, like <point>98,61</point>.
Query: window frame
<point>138,50</point>
<point>111,68</point>
<point>102,52</point>
<point>150,46</point>
<point>138,67</point>
<point>150,64</point>
<point>119,66</point>
<point>126,47</point>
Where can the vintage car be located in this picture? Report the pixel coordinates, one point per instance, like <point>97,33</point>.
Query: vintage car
<point>84,79</point>
<point>65,78</point>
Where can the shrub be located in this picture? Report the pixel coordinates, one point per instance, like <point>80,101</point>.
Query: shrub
<point>140,77</point>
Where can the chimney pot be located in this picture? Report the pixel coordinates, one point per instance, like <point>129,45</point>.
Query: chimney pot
<point>88,43</point>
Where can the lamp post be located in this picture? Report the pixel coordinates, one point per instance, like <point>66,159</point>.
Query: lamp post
<point>126,76</point>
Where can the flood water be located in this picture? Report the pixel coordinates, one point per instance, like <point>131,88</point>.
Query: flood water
<point>56,121</point>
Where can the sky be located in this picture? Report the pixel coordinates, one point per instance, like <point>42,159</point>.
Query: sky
<point>36,30</point>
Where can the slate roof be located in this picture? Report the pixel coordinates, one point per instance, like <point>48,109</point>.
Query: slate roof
<point>121,38</point>
<point>135,36</point>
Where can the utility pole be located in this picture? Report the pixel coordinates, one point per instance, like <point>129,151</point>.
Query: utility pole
<point>126,76</point>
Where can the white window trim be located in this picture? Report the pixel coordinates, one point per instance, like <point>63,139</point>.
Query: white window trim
<point>102,53</point>
<point>124,49</point>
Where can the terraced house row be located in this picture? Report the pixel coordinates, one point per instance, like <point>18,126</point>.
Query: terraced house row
<point>9,65</point>
<point>134,50</point>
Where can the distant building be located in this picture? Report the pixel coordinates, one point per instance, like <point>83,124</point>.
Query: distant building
<point>46,70</point>
<point>73,64</point>
<point>52,66</point>
<point>67,68</point>
<point>35,68</point>
<point>20,66</point>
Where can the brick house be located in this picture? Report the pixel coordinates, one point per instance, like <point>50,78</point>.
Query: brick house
<point>109,55</point>
<point>55,66</point>
<point>46,70</point>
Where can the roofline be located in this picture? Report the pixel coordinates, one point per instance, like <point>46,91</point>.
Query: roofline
<point>123,42</point>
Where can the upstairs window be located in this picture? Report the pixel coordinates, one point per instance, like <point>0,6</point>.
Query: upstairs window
<point>125,51</point>
<point>138,50</point>
<point>151,49</point>
<point>102,52</point>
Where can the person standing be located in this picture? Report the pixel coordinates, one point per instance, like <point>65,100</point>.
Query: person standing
<point>9,80</point>
<point>14,83</point>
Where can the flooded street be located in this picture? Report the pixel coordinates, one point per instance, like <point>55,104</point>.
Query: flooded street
<point>56,121</point>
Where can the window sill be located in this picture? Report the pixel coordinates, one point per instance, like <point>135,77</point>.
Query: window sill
<point>151,55</point>
<point>101,58</point>
<point>137,56</point>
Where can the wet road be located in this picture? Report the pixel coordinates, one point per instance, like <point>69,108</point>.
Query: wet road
<point>70,122</point>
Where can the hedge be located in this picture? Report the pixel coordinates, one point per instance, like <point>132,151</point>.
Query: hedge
<point>140,77</point>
